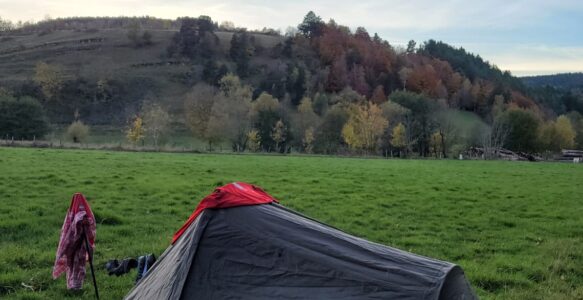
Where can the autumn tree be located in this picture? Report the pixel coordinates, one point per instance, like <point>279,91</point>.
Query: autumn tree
<point>77,132</point>
<point>279,135</point>
<point>399,138</point>
<point>436,143</point>
<point>378,95</point>
<point>49,78</point>
<point>364,127</point>
<point>254,140</point>
<point>557,135</point>
<point>135,131</point>
<point>308,140</point>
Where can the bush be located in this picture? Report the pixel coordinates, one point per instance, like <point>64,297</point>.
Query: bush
<point>22,118</point>
<point>78,132</point>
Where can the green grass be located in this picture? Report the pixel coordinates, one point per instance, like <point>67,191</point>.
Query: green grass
<point>516,228</point>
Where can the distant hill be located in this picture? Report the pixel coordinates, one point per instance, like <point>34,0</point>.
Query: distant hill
<point>565,81</point>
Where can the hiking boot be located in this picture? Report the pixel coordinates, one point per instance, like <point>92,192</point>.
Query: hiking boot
<point>124,267</point>
<point>141,266</point>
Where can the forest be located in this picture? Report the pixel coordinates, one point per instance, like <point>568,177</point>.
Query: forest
<point>318,88</point>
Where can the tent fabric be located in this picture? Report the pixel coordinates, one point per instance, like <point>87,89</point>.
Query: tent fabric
<point>270,252</point>
<point>234,194</point>
<point>72,255</point>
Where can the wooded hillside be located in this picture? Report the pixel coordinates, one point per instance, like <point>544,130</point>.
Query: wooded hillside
<point>320,88</point>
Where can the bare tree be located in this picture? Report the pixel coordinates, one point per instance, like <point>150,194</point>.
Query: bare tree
<point>494,137</point>
<point>156,121</point>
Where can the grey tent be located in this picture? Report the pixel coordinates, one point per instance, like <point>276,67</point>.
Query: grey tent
<point>241,244</point>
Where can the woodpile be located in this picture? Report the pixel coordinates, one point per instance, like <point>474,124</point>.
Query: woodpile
<point>571,156</point>
<point>500,153</point>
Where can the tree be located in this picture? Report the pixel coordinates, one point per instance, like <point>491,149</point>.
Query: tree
<point>230,114</point>
<point>308,140</point>
<point>312,25</point>
<point>523,130</point>
<point>135,132</point>
<point>304,119</point>
<point>254,140</point>
<point>436,143</point>
<point>78,132</point>
<point>279,135</point>
<point>494,138</point>
<point>329,134</point>
<point>338,75</point>
<point>411,45</point>
<point>399,138</point>
<point>565,133</point>
<point>198,105</point>
<point>264,116</point>
<point>241,51</point>
<point>420,125</point>
<point>156,121</point>
<point>22,118</point>
<point>49,78</point>
<point>196,38</point>
<point>364,127</point>
<point>378,95</point>
<point>404,74</point>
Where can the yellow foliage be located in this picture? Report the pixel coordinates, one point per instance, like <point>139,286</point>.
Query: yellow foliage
<point>254,140</point>
<point>136,131</point>
<point>399,139</point>
<point>364,127</point>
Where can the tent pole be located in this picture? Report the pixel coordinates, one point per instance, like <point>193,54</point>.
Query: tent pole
<point>88,248</point>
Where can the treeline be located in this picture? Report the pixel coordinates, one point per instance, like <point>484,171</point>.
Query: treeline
<point>325,89</point>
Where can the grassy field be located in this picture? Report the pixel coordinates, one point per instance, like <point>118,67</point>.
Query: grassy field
<point>516,228</point>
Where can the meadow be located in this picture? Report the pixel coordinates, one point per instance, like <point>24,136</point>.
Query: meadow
<point>516,228</point>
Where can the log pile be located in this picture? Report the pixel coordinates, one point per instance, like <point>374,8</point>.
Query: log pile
<point>571,156</point>
<point>500,153</point>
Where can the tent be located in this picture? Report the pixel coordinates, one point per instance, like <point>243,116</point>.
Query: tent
<point>241,244</point>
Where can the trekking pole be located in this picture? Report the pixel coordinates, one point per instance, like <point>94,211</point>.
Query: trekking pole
<point>88,248</point>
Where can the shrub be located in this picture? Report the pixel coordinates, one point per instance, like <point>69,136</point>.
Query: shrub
<point>22,118</point>
<point>78,132</point>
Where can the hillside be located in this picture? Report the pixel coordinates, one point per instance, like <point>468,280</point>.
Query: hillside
<point>302,91</point>
<point>565,81</point>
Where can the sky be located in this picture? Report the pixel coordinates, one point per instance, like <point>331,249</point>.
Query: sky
<point>531,37</point>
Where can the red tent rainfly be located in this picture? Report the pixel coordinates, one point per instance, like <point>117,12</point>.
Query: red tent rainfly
<point>72,253</point>
<point>230,195</point>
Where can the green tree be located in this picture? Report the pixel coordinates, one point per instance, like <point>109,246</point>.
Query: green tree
<point>329,134</point>
<point>312,25</point>
<point>523,130</point>
<point>22,118</point>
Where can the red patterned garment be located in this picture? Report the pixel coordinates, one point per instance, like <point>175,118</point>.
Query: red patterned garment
<point>71,253</point>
